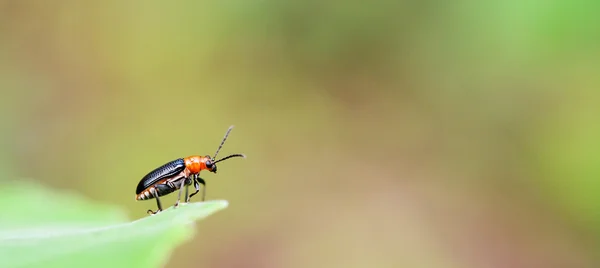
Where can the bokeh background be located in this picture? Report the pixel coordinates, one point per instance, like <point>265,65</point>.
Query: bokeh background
<point>434,134</point>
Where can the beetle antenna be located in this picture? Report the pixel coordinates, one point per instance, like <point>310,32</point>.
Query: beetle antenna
<point>223,141</point>
<point>233,155</point>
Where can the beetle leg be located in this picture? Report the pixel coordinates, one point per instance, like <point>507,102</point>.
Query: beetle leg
<point>200,180</point>
<point>155,194</point>
<point>180,190</point>
<point>187,197</point>
<point>197,183</point>
<point>197,186</point>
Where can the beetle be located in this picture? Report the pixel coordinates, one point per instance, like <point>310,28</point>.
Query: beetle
<point>178,174</point>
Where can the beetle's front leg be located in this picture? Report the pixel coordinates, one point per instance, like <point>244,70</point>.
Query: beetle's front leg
<point>197,186</point>
<point>197,183</point>
<point>201,181</point>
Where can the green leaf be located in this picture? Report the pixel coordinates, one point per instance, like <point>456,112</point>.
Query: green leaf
<point>43,228</point>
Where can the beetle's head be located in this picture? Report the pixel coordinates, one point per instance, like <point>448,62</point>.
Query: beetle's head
<point>210,164</point>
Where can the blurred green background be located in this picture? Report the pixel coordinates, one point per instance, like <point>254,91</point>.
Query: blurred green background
<point>378,134</point>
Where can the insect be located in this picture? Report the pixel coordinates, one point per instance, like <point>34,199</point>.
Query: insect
<point>178,174</point>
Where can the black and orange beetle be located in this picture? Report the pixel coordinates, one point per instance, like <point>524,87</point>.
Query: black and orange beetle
<point>178,173</point>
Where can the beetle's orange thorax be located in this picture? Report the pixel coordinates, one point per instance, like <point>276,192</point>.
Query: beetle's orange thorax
<point>195,163</point>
